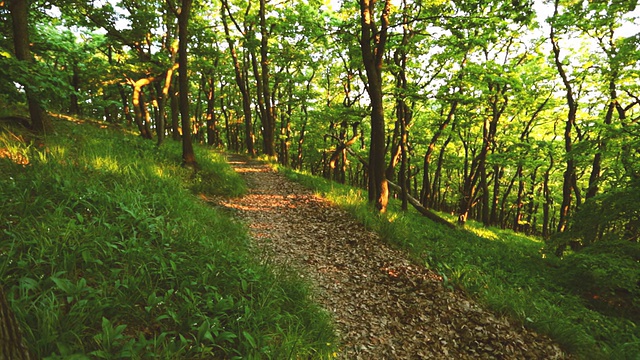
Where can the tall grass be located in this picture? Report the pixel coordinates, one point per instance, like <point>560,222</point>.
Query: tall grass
<point>105,252</point>
<point>508,272</point>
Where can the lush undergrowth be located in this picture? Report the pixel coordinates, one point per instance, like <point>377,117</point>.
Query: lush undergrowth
<point>107,252</point>
<point>510,274</point>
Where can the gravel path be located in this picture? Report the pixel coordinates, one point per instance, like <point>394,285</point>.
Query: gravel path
<point>383,306</point>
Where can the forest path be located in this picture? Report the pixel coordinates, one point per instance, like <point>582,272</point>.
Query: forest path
<point>383,306</point>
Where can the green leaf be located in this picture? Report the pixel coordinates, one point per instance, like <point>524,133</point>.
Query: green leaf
<point>250,339</point>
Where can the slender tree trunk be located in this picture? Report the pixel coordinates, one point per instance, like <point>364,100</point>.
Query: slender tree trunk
<point>139,106</point>
<point>188,156</point>
<point>548,200</point>
<point>503,211</point>
<point>436,198</point>
<point>497,175</point>
<point>519,205</point>
<point>569,173</point>
<point>162,102</point>
<point>268,120</point>
<point>484,186</point>
<point>403,161</point>
<point>426,195</point>
<point>530,227</point>
<point>596,169</point>
<point>285,126</point>
<point>225,114</point>
<point>175,114</point>
<point>240,81</point>
<point>146,117</point>
<point>74,106</point>
<point>197,123</point>
<point>213,135</point>
<point>299,157</point>
<point>20,18</point>
<point>125,105</point>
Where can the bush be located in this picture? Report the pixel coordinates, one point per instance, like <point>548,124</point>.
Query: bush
<point>607,273</point>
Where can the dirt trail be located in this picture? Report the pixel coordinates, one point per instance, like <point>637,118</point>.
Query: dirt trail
<point>383,306</point>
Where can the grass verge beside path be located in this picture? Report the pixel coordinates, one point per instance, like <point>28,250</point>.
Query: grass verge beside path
<point>504,270</point>
<point>105,252</point>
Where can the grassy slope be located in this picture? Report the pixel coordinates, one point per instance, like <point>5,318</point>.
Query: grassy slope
<point>506,271</point>
<point>105,252</point>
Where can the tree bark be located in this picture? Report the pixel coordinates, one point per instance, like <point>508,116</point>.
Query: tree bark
<point>213,135</point>
<point>240,81</point>
<point>268,119</point>
<point>569,173</point>
<point>162,102</point>
<point>125,105</point>
<point>373,42</point>
<point>12,346</point>
<point>175,114</point>
<point>188,156</point>
<point>20,18</point>
<point>138,105</point>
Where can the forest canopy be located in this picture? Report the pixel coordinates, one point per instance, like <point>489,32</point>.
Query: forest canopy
<point>518,114</point>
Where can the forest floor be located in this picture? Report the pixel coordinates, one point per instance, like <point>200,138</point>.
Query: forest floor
<point>383,306</point>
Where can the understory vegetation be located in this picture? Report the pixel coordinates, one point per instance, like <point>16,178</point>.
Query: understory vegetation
<point>588,301</point>
<point>106,251</point>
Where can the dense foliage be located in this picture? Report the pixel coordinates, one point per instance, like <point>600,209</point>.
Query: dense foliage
<point>511,114</point>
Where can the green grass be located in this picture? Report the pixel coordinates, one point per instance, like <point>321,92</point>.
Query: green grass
<point>106,252</point>
<point>508,272</point>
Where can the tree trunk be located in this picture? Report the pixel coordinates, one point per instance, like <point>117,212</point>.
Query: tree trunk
<point>426,195</point>
<point>74,106</point>
<point>213,135</point>
<point>139,106</point>
<point>268,120</point>
<point>20,17</point>
<point>240,81</point>
<point>12,346</point>
<point>285,126</point>
<point>503,217</point>
<point>372,57</point>
<point>497,175</point>
<point>519,205</point>
<point>125,105</point>
<point>569,173</point>
<point>175,114</point>
<point>162,102</point>
<point>225,114</point>
<point>548,200</point>
<point>188,156</point>
<point>436,198</point>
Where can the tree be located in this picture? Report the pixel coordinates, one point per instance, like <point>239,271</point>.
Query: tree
<point>372,43</point>
<point>12,344</point>
<point>20,17</point>
<point>240,80</point>
<point>188,155</point>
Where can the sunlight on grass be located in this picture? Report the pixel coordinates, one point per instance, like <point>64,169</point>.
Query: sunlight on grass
<point>504,270</point>
<point>105,163</point>
<point>55,153</point>
<point>484,233</point>
<point>106,253</point>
